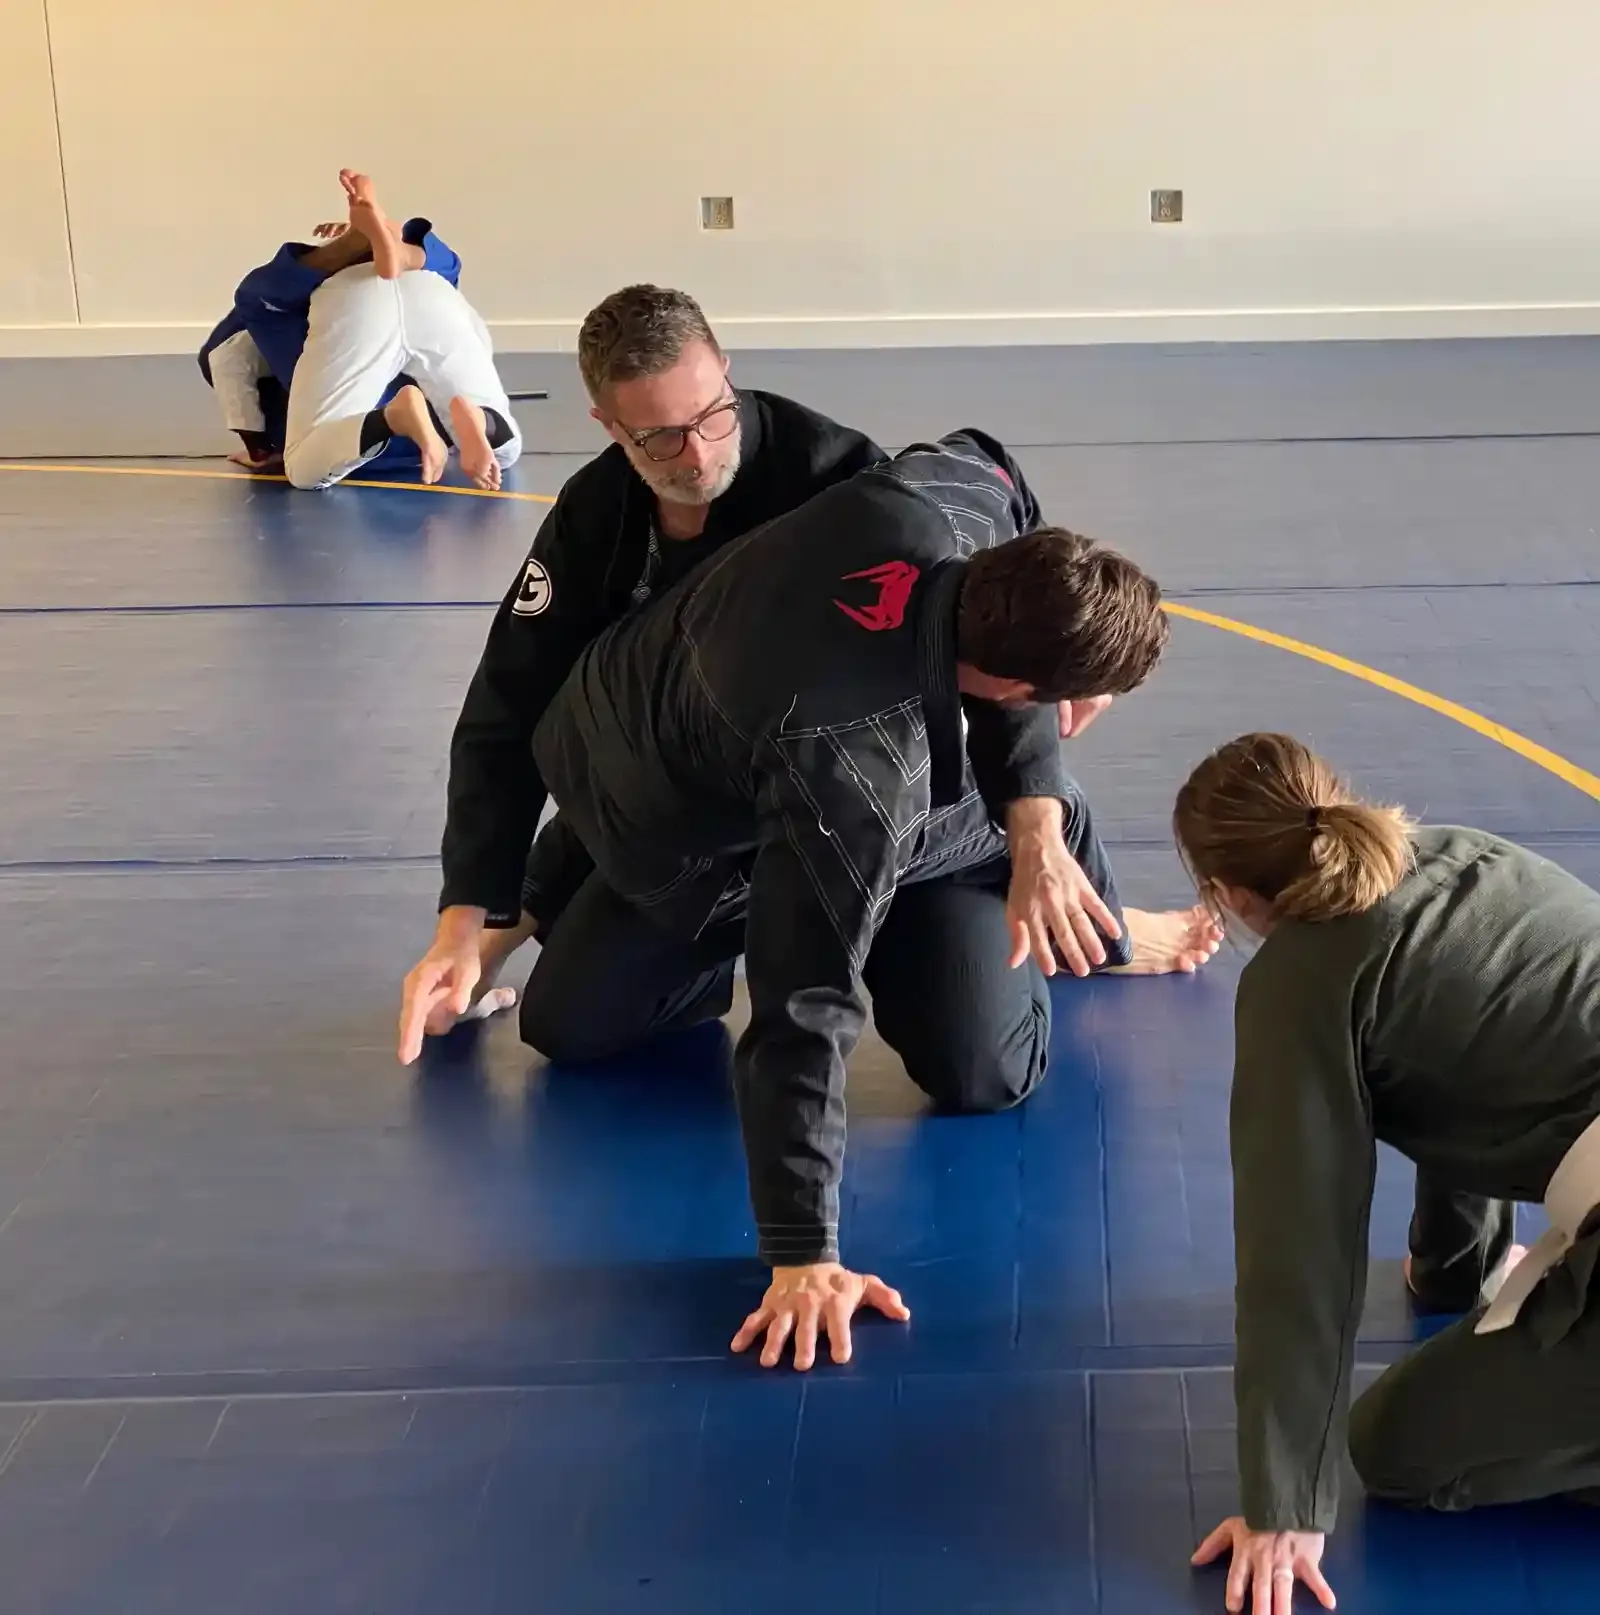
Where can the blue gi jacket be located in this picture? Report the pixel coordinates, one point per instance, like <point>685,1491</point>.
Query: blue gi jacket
<point>273,304</point>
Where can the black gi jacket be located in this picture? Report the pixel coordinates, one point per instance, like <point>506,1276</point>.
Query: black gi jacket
<point>595,558</point>
<point>782,733</point>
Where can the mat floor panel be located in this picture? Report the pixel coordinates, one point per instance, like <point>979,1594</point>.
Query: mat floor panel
<point>284,734</point>
<point>186,541</point>
<point>1340,516</point>
<point>1067,393</point>
<point>264,735</point>
<point>618,1498</point>
<point>285,1326</point>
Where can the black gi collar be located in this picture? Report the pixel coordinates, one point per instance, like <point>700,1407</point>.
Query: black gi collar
<point>938,600</point>
<point>750,432</point>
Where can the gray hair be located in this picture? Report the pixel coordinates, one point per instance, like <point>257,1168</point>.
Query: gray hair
<point>639,331</point>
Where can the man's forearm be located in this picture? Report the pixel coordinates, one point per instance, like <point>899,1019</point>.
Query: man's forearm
<point>494,798</point>
<point>1035,816</point>
<point>791,1116</point>
<point>461,920</point>
<point>1015,755</point>
<point>484,860</point>
<point>806,1013</point>
<point>340,253</point>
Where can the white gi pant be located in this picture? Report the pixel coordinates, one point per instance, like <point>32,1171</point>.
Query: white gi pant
<point>237,370</point>
<point>365,331</point>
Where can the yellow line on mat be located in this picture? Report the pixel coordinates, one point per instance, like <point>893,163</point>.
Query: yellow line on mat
<point>1551,761</point>
<point>1509,738</point>
<point>251,476</point>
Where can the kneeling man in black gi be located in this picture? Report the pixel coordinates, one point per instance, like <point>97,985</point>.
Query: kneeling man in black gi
<point>770,760</point>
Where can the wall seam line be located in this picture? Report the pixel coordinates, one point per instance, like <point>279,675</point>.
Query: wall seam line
<point>61,164</point>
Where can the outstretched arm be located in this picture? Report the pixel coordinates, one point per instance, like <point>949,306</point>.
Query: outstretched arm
<point>824,875</point>
<point>1304,1163</point>
<point>342,246</point>
<point>496,793</point>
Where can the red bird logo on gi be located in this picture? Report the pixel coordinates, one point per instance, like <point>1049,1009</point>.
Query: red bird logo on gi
<point>895,580</point>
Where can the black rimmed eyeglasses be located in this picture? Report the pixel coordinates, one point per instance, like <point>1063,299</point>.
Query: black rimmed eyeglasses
<point>715,425</point>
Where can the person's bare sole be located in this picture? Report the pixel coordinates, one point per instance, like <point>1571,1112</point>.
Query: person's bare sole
<point>367,216</point>
<point>488,998</point>
<point>1178,942</point>
<point>478,463</point>
<point>407,415</point>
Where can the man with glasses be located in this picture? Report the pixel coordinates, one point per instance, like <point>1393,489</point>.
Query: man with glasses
<point>693,464</point>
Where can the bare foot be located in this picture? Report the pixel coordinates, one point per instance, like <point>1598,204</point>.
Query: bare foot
<point>407,415</point>
<point>494,949</point>
<point>368,218</point>
<point>1177,942</point>
<point>472,443</point>
<point>384,239</point>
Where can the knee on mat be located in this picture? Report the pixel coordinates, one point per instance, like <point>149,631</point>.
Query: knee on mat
<point>551,1029</point>
<point>978,1084</point>
<point>1366,1446</point>
<point>301,470</point>
<point>1376,1448</point>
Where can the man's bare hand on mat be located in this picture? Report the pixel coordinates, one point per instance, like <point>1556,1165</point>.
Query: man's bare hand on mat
<point>800,1299</point>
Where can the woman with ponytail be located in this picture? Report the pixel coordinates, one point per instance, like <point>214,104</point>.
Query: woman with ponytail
<point>1436,989</point>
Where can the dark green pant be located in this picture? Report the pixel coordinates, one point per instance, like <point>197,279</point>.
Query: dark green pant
<point>1468,1420</point>
<point>1457,1240</point>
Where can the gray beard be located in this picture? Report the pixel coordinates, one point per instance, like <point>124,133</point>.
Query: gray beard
<point>698,493</point>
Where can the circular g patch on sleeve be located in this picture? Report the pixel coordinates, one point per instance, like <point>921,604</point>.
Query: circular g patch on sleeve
<point>534,593</point>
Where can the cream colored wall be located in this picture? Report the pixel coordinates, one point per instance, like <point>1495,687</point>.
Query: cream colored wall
<point>35,267</point>
<point>941,172</point>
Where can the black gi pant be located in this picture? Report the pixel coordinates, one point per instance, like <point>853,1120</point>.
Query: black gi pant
<point>974,1034</point>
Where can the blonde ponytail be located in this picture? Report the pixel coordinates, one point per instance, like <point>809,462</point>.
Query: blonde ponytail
<point>1358,855</point>
<point>1265,814</point>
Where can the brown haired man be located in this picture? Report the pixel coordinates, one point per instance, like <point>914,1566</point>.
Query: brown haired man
<point>694,463</point>
<point>771,761</point>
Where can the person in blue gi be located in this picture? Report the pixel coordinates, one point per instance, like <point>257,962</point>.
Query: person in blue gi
<point>358,364</point>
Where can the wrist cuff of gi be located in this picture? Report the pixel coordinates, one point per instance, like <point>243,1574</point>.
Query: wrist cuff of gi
<point>797,1245</point>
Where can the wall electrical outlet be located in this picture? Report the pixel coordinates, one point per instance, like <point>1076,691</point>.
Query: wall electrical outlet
<point>1166,207</point>
<point>716,212</point>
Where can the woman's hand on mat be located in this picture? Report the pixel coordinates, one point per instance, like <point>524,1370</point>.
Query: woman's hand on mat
<point>1270,1562</point>
<point>443,979</point>
<point>799,1299</point>
<point>1051,906</point>
<point>1076,716</point>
